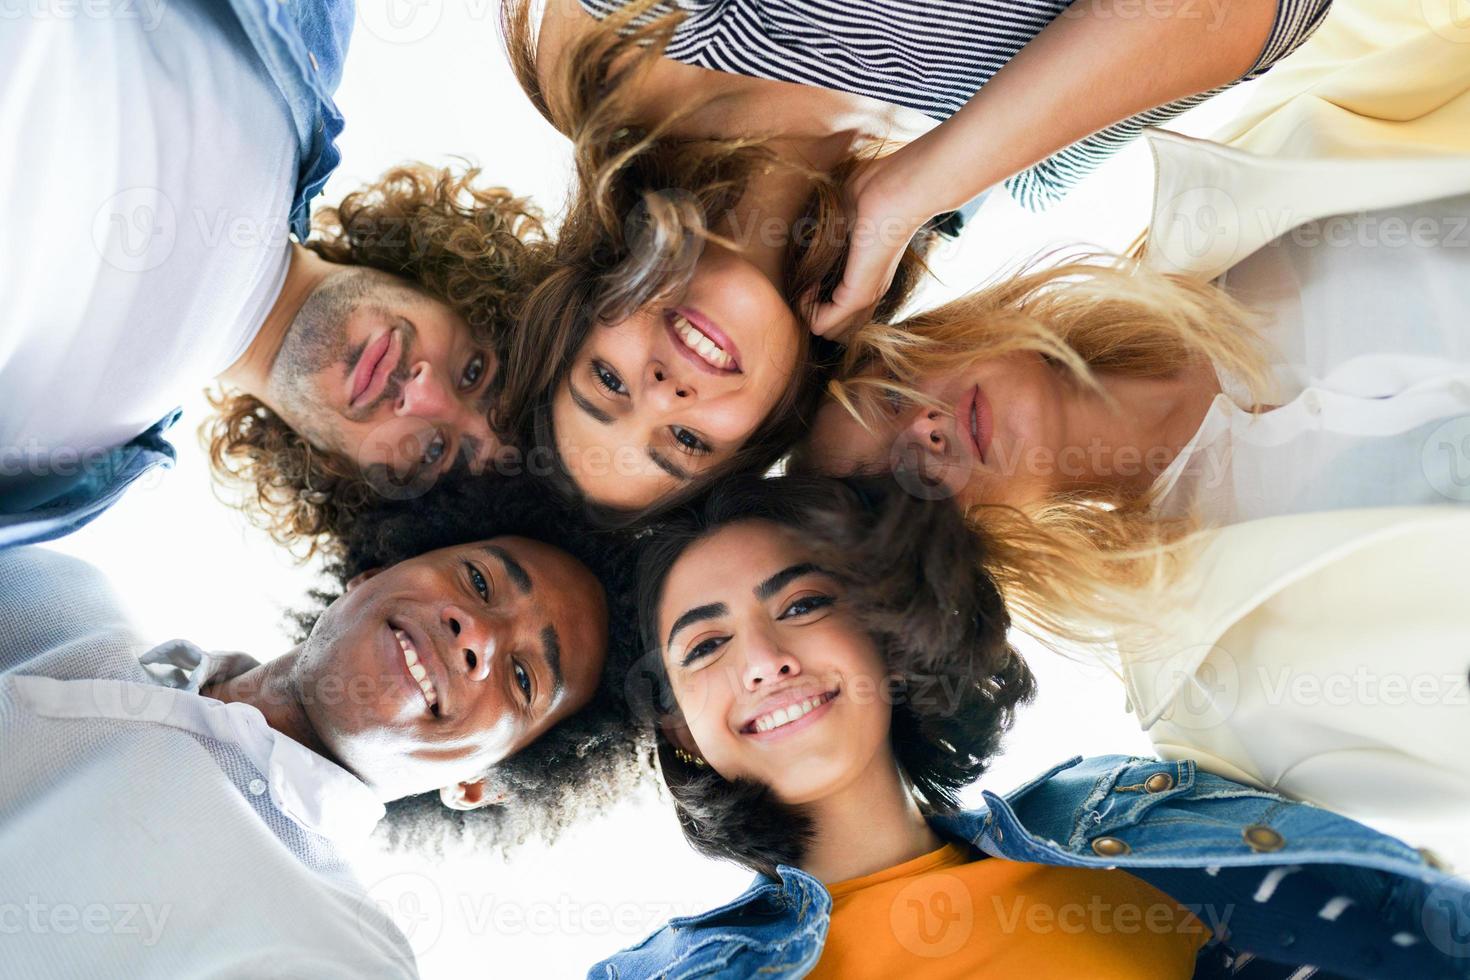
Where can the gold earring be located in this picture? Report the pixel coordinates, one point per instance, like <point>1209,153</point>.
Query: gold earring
<point>688,758</point>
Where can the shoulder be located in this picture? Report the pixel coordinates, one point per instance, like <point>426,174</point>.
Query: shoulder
<point>52,600</point>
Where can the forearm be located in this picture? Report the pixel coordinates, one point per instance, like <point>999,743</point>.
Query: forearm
<point>1098,63</point>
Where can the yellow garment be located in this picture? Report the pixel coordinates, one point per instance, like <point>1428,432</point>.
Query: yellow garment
<point>1379,78</point>
<point>947,915</point>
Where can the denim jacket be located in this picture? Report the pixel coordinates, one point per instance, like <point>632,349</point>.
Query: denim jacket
<point>303,44</point>
<point>1280,884</point>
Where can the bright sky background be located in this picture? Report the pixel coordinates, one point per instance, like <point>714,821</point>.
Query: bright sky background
<point>426,79</point>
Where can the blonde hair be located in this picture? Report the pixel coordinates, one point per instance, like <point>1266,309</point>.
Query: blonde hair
<point>1077,567</point>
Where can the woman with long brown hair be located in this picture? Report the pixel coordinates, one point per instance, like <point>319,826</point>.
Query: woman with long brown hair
<point>644,377</point>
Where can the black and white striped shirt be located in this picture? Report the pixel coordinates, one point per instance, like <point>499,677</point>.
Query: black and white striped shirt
<point>926,55</point>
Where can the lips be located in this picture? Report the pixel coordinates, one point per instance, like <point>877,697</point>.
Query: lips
<point>789,711</point>
<point>701,342</point>
<point>374,366</point>
<point>422,667</point>
<point>973,418</point>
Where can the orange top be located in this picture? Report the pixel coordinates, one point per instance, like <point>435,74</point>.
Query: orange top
<point>948,915</point>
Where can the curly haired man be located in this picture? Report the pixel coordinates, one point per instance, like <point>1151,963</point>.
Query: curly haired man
<point>158,255</point>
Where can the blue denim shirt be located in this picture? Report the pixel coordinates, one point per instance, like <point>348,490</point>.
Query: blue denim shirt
<point>303,44</point>
<point>1280,884</point>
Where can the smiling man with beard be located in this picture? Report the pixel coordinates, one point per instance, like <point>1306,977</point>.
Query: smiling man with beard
<point>156,245</point>
<point>208,794</point>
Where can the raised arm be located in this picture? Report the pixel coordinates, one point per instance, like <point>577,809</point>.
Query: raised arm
<point>1101,61</point>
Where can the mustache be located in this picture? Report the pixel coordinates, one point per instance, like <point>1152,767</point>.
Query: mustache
<point>392,389</point>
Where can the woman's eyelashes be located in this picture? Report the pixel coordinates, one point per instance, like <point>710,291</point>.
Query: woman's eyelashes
<point>607,379</point>
<point>688,442</point>
<point>803,607</point>
<point>703,649</point>
<point>806,605</point>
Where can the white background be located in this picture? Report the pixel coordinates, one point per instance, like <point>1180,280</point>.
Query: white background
<point>426,79</point>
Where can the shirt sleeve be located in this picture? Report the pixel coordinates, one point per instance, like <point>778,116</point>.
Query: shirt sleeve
<point>49,602</point>
<point>1046,183</point>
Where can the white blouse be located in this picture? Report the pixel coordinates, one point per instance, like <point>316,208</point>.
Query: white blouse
<point>1369,318</point>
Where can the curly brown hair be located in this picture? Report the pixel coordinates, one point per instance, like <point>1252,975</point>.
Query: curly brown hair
<point>467,245</point>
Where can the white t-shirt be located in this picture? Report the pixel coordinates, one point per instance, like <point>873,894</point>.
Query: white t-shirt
<point>1369,316</point>
<point>145,188</point>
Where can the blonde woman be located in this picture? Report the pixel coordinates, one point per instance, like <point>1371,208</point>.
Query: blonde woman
<point>1308,412</point>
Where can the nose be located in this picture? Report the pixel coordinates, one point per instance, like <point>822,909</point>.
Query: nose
<point>425,395</point>
<point>927,432</point>
<point>766,662</point>
<point>664,390</point>
<point>472,642</point>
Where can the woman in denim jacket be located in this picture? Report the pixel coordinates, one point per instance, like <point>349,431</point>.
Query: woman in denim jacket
<point>830,671</point>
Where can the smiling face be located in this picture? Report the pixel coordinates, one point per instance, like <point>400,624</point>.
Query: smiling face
<point>386,376</point>
<point>994,439</point>
<point>434,669</point>
<point>672,392</point>
<point>774,679</point>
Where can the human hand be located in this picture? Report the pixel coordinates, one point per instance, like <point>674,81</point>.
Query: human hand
<point>885,209</point>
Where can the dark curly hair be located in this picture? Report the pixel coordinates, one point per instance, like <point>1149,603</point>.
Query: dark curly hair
<point>915,584</point>
<point>587,760</point>
<point>642,204</point>
<point>467,245</point>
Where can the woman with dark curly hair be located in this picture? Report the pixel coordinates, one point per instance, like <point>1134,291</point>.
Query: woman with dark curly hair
<point>829,669</point>
<point>385,369</point>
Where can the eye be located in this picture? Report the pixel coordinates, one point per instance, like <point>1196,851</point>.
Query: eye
<point>703,648</point>
<point>435,450</point>
<point>523,680</point>
<point>478,582</point>
<point>473,371</point>
<point>806,605</point>
<point>690,443</point>
<point>607,379</point>
<point>894,402</point>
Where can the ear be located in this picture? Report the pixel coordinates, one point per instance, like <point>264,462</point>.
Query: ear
<point>360,578</point>
<point>468,796</point>
<point>676,730</point>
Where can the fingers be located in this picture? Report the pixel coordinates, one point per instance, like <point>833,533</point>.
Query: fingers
<point>866,278</point>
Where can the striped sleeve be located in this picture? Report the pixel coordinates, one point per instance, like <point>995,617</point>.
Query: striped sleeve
<point>1046,183</point>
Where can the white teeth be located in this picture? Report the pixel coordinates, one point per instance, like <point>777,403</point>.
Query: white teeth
<point>696,340</point>
<point>420,674</point>
<point>790,713</point>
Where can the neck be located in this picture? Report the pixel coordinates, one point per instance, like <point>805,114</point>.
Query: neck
<point>1122,440</point>
<point>868,826</point>
<point>304,272</point>
<point>269,688</point>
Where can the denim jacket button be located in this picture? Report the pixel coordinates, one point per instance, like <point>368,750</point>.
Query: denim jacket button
<point>1159,782</point>
<point>1262,839</point>
<point>1109,847</point>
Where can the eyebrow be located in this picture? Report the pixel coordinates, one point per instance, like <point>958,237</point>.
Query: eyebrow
<point>513,568</point>
<point>581,402</point>
<point>551,653</point>
<point>695,615</point>
<point>668,465</point>
<point>783,578</point>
